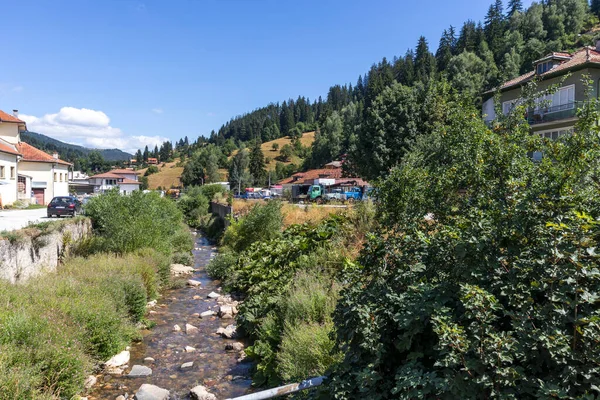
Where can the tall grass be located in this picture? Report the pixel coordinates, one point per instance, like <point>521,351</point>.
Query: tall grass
<point>55,328</point>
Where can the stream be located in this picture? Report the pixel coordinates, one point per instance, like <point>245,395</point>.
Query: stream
<point>214,367</point>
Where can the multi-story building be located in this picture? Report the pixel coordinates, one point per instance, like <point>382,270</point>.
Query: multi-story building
<point>555,114</point>
<point>27,173</point>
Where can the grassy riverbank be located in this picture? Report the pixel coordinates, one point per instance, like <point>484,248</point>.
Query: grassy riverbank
<point>54,329</point>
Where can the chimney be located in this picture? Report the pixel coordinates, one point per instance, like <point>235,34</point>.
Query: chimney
<point>55,155</point>
<point>16,113</point>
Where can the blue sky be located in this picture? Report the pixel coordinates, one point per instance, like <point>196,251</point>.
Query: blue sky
<point>121,73</point>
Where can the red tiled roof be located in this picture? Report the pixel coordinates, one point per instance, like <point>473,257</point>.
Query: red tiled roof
<point>31,153</point>
<point>106,175</point>
<point>310,175</point>
<point>5,117</point>
<point>131,181</point>
<point>580,57</point>
<point>123,171</point>
<point>9,148</point>
<point>351,181</point>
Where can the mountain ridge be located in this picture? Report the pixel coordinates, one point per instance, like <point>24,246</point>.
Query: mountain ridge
<point>69,151</point>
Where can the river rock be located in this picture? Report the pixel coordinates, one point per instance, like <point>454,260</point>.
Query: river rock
<point>187,365</point>
<point>120,359</point>
<point>207,314</point>
<point>193,283</point>
<point>213,295</point>
<point>121,397</point>
<point>151,304</point>
<point>195,315</point>
<point>189,349</point>
<point>237,346</point>
<point>226,312</point>
<point>190,329</point>
<point>151,392</point>
<point>176,328</point>
<point>180,269</point>
<point>139,370</point>
<point>90,381</point>
<point>196,297</point>
<point>149,360</point>
<point>200,393</point>
<point>229,332</point>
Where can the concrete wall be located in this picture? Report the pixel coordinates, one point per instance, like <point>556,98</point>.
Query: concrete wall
<point>222,211</point>
<point>8,184</point>
<point>32,252</point>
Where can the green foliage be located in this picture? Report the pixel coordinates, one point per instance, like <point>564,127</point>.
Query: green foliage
<point>257,167</point>
<point>286,153</point>
<point>53,329</point>
<point>127,223</point>
<point>263,222</point>
<point>203,166</point>
<point>221,266</point>
<point>153,169</point>
<point>194,204</point>
<point>495,294</point>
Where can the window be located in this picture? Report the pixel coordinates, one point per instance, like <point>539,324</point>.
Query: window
<point>55,177</point>
<point>12,172</point>
<point>544,67</point>
<point>555,134</point>
<point>562,99</point>
<point>2,172</point>
<point>21,184</point>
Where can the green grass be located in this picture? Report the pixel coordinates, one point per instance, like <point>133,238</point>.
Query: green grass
<point>55,328</point>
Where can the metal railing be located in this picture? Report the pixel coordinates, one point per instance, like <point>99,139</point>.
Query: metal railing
<point>283,390</point>
<point>554,113</point>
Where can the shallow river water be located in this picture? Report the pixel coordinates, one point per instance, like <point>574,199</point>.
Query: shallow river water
<point>213,367</point>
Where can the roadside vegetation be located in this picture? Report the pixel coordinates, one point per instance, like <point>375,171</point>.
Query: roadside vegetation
<point>288,278</point>
<point>55,329</point>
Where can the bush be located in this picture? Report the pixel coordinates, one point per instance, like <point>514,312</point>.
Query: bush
<point>262,223</point>
<point>220,266</point>
<point>194,204</point>
<point>495,295</point>
<point>127,223</point>
<point>153,169</point>
<point>183,258</point>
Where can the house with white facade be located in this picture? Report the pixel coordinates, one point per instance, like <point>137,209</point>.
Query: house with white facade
<point>125,180</point>
<point>27,173</point>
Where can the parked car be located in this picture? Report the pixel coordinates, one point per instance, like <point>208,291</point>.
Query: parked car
<point>64,205</point>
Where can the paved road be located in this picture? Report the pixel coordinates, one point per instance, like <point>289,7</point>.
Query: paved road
<point>11,220</point>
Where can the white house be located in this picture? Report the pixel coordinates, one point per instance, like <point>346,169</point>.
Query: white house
<point>26,170</point>
<point>123,179</point>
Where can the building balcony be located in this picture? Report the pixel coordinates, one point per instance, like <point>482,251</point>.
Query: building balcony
<point>554,113</point>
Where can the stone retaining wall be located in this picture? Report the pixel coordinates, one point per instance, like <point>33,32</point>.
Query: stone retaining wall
<point>31,251</point>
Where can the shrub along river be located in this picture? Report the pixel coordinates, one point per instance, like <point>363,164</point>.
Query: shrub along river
<point>213,366</point>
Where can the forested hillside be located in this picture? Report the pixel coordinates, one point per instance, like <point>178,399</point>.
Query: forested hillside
<point>374,120</point>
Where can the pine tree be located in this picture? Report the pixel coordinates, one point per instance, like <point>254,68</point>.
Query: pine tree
<point>445,49</point>
<point>155,152</point>
<point>139,158</point>
<point>146,153</point>
<point>494,28</point>
<point>424,61</point>
<point>466,38</point>
<point>257,166</point>
<point>595,7</point>
<point>514,6</point>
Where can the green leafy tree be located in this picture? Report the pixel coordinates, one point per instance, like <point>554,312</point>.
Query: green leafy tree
<point>482,281</point>
<point>286,152</point>
<point>239,177</point>
<point>328,141</point>
<point>275,146</point>
<point>468,74</point>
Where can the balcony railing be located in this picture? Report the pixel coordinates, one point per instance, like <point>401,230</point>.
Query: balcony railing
<point>554,113</point>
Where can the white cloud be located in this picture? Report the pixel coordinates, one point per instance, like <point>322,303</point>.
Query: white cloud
<point>157,110</point>
<point>90,128</point>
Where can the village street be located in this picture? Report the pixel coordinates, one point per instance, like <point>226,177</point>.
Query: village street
<point>11,220</point>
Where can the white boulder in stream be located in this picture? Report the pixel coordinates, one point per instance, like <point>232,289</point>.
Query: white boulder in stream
<point>226,312</point>
<point>193,283</point>
<point>187,365</point>
<point>139,370</point>
<point>190,329</point>
<point>120,359</point>
<point>229,332</point>
<point>180,269</point>
<point>207,314</point>
<point>200,393</point>
<point>151,392</point>
<point>213,295</point>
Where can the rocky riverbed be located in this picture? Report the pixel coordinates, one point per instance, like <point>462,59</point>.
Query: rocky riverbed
<point>183,350</point>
